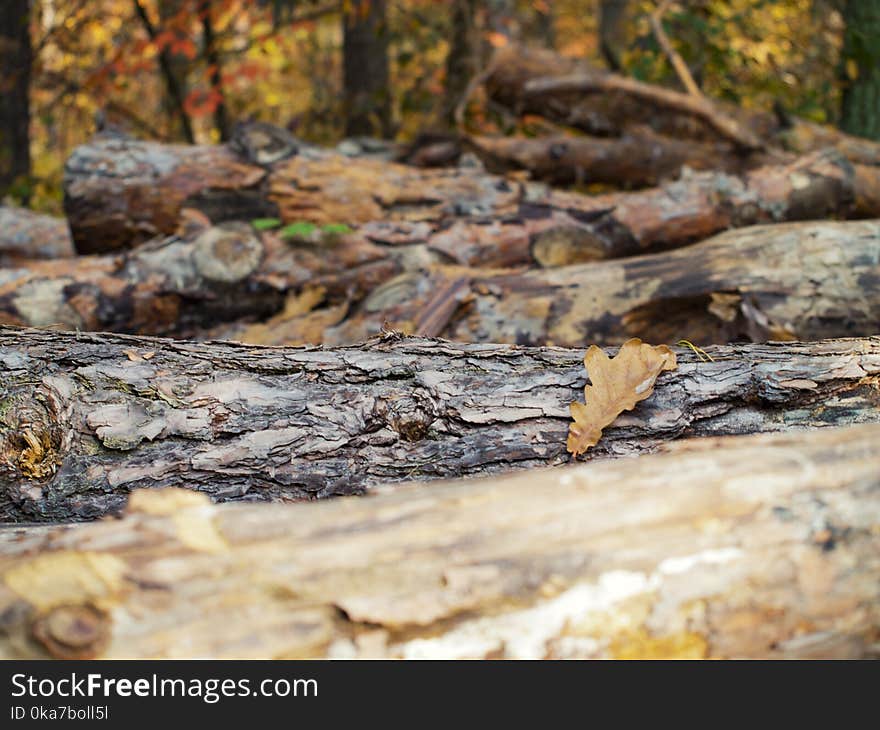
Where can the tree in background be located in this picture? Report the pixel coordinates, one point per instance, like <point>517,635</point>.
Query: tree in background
<point>613,31</point>
<point>170,13</point>
<point>463,59</point>
<point>860,112</point>
<point>15,77</point>
<point>366,85</point>
<point>215,71</point>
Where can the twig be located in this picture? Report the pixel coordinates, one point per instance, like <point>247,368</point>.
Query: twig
<point>460,108</point>
<point>681,69</point>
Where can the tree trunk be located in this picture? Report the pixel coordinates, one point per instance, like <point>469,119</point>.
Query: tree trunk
<point>119,192</point>
<point>170,73</point>
<point>177,63</point>
<point>463,59</point>
<point>89,417</point>
<point>763,546</point>
<point>793,281</point>
<point>28,235</point>
<point>365,70</point>
<point>613,32</point>
<point>15,117</point>
<point>861,57</point>
<point>222,123</point>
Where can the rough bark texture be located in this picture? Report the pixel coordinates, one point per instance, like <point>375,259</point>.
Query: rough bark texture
<point>121,191</point>
<point>15,75</point>
<point>785,281</point>
<point>89,417</point>
<point>765,546</point>
<point>28,235</point>
<point>205,275</point>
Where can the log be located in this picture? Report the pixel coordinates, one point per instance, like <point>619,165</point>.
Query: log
<point>637,158</point>
<point>28,235</point>
<point>180,284</point>
<point>89,417</point>
<point>570,92</point>
<point>787,281</point>
<point>111,205</point>
<point>762,546</point>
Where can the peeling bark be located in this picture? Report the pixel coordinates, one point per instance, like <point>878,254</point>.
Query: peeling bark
<point>120,190</point>
<point>765,546</point>
<point>28,235</point>
<point>181,283</point>
<point>786,281</point>
<point>89,417</point>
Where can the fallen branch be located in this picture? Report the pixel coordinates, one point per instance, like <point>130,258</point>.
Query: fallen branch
<point>681,69</point>
<point>89,417</point>
<point>763,546</point>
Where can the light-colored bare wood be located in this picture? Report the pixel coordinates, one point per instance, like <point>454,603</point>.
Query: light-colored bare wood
<point>765,546</point>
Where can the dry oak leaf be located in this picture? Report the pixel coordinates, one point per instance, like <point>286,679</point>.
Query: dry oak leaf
<point>617,385</point>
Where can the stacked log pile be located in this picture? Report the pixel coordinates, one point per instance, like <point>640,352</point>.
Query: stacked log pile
<point>265,321</point>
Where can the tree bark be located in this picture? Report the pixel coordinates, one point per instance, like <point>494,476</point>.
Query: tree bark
<point>89,417</point>
<point>365,70</point>
<point>28,235</point>
<point>222,122</point>
<point>15,117</point>
<point>638,158</point>
<point>170,74</point>
<point>613,32</point>
<point>786,281</point>
<point>171,16</point>
<point>183,283</point>
<point>463,60</point>
<point>567,91</point>
<point>861,55</point>
<point>119,192</point>
<point>762,547</point>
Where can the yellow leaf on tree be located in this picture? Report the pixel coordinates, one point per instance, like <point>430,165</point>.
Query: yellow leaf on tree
<point>617,385</point>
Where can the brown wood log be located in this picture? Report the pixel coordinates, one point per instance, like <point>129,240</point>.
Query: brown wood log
<point>567,91</point>
<point>118,208</point>
<point>88,417</point>
<point>637,158</point>
<point>764,546</point>
<point>28,235</point>
<point>786,281</point>
<point>182,283</point>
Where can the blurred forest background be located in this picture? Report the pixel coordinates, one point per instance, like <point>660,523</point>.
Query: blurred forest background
<point>188,70</point>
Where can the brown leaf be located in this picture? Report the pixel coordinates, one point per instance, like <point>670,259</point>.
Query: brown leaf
<point>617,385</point>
